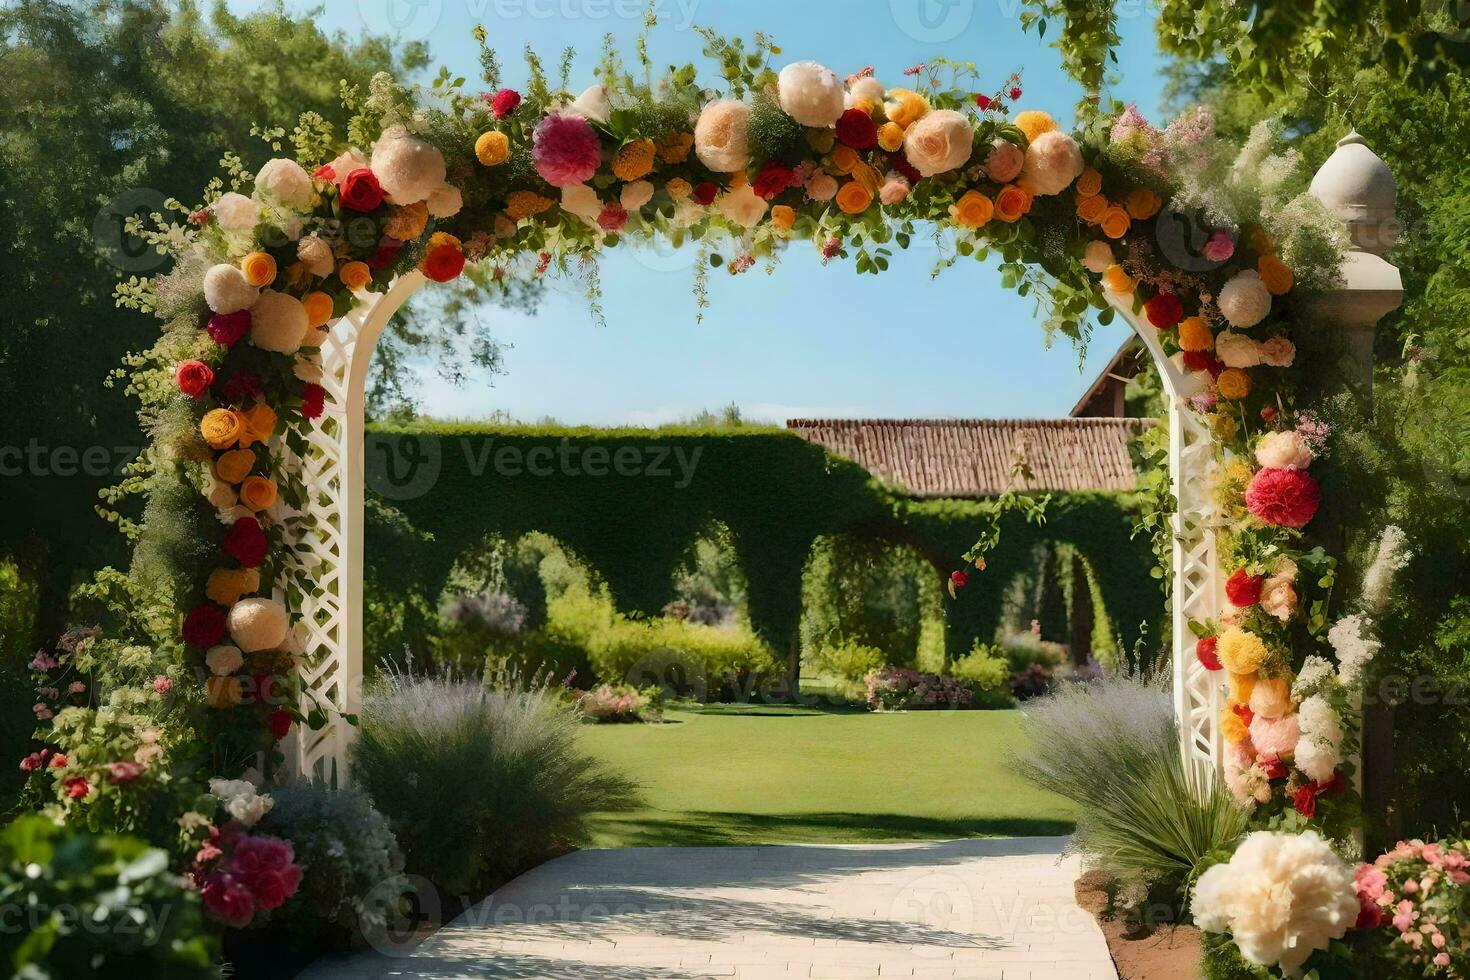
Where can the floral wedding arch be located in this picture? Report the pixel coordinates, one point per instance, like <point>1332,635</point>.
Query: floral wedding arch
<point>1219,257</point>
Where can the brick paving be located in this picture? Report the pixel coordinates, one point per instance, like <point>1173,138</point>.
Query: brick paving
<point>993,909</point>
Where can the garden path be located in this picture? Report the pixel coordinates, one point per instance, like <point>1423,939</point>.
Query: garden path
<point>997,908</point>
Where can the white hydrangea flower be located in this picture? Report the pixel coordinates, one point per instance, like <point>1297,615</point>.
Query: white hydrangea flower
<point>1319,751</point>
<point>1355,649</point>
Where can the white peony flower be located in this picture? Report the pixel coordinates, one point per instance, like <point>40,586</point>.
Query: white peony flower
<point>446,201</point>
<point>248,809</point>
<point>1319,751</point>
<point>865,89</point>
<point>409,169</point>
<point>810,94</point>
<point>277,322</point>
<point>1244,300</point>
<point>1284,451</point>
<point>1053,161</point>
<point>1097,256</point>
<point>236,212</point>
<point>939,142</point>
<point>224,789</point>
<point>721,136</point>
<point>743,206</point>
<point>591,105</point>
<point>224,659</point>
<point>226,289</point>
<point>635,195</point>
<point>1237,350</point>
<point>1280,897</point>
<point>285,183</point>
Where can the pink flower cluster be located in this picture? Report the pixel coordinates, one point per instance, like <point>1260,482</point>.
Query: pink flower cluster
<point>892,688</point>
<point>252,874</point>
<point>1416,892</point>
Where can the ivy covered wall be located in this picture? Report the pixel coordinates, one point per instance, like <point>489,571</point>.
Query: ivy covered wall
<point>630,502</point>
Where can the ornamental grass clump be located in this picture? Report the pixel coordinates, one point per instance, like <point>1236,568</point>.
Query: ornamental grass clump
<point>479,783</point>
<point>1112,748</point>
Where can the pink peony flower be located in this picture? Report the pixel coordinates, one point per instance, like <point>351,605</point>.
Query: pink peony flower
<point>1219,247</point>
<point>1004,162</point>
<point>43,661</point>
<point>228,900</point>
<point>1284,498</point>
<point>1275,736</point>
<point>566,150</point>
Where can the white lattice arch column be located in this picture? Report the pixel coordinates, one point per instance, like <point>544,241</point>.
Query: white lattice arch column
<point>331,669</point>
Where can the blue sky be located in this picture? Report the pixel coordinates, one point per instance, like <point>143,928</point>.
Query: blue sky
<point>809,339</point>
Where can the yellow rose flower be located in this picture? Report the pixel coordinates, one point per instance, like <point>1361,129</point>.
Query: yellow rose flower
<point>1241,652</point>
<point>1034,122</point>
<point>258,492</point>
<point>633,160</point>
<point>1089,184</point>
<point>318,308</point>
<point>1276,274</point>
<point>1143,203</point>
<point>227,585</point>
<point>1232,727</point>
<point>524,204</point>
<point>492,149</point>
<point>853,197</point>
<point>1119,281</point>
<point>973,210</point>
<point>259,424</point>
<point>1195,334</point>
<point>783,217</point>
<point>1233,384</point>
<point>678,188</point>
<point>1091,209</point>
<point>890,137</point>
<point>355,275</point>
<point>407,221</point>
<point>222,427</point>
<point>234,466</point>
<point>675,147</point>
<point>1012,202</point>
<point>222,692</point>
<point>905,107</point>
<point>1115,222</point>
<point>259,268</point>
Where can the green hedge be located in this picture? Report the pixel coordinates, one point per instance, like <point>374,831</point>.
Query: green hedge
<point>629,502</point>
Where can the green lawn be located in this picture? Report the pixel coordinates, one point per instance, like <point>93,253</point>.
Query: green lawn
<point>742,774</point>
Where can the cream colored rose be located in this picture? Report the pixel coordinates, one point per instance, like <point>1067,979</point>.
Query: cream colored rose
<point>1278,597</point>
<point>635,195</point>
<point>865,89</point>
<point>1097,256</point>
<point>940,142</point>
<point>821,186</point>
<point>224,659</point>
<point>582,201</point>
<point>284,182</point>
<point>742,206</point>
<point>316,255</point>
<point>1278,352</point>
<point>1284,451</point>
<point>236,212</point>
<point>721,136</point>
<point>1237,350</point>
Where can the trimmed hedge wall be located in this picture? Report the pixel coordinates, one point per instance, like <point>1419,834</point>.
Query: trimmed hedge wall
<point>629,502</point>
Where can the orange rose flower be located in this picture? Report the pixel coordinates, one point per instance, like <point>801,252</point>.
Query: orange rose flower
<point>844,159</point>
<point>1011,203</point>
<point>854,198</point>
<point>227,585</point>
<point>222,692</point>
<point>1276,274</point>
<point>234,466</point>
<point>1089,184</point>
<point>259,268</point>
<point>355,275</point>
<point>259,424</point>
<point>1115,222</point>
<point>1143,203</point>
<point>783,217</point>
<point>257,492</point>
<point>1234,384</point>
<point>1195,334</point>
<point>318,308</point>
<point>1119,281</point>
<point>973,210</point>
<point>523,204</point>
<point>1091,209</point>
<point>222,427</point>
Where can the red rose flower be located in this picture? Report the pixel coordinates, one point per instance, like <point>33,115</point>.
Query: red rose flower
<point>1199,360</point>
<point>773,179</point>
<point>1244,589</point>
<point>1284,498</point>
<point>384,254</point>
<point>1205,651</point>
<point>194,377</point>
<point>204,626</point>
<point>959,578</point>
<point>443,263</point>
<point>279,722</point>
<point>269,888</point>
<point>77,787</point>
<point>226,329</point>
<point>361,190</point>
<point>1268,413</point>
<point>245,542</point>
<point>902,165</point>
<point>983,101</point>
<point>705,192</point>
<point>505,102</point>
<point>1304,800</point>
<point>228,900</point>
<point>855,128</point>
<point>313,400</point>
<point>242,386</point>
<point>1164,310</point>
<point>325,173</point>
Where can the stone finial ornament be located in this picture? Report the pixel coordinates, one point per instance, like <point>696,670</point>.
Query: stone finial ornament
<point>1359,189</point>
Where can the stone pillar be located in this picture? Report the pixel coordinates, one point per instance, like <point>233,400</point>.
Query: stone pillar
<point>1358,188</point>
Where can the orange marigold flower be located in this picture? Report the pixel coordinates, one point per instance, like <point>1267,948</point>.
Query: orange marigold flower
<point>1195,334</point>
<point>407,221</point>
<point>678,188</point>
<point>524,204</point>
<point>634,160</point>
<point>675,147</point>
<point>890,137</point>
<point>1143,203</point>
<point>1119,281</point>
<point>1234,384</point>
<point>1034,122</point>
<point>492,148</point>
<point>783,217</point>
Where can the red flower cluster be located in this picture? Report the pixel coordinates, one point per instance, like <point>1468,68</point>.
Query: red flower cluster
<point>1244,589</point>
<point>1203,360</point>
<point>959,578</point>
<point>226,329</point>
<point>443,262</point>
<point>1284,498</point>
<point>705,192</point>
<point>204,626</point>
<point>855,128</point>
<point>773,179</point>
<point>259,874</point>
<point>242,386</point>
<point>384,254</point>
<point>1164,310</point>
<point>504,102</point>
<point>361,190</point>
<point>313,400</point>
<point>245,542</point>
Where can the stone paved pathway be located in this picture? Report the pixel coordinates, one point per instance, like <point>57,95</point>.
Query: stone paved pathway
<point>997,909</point>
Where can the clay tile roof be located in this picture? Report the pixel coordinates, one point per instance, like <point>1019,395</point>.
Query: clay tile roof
<point>979,457</point>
